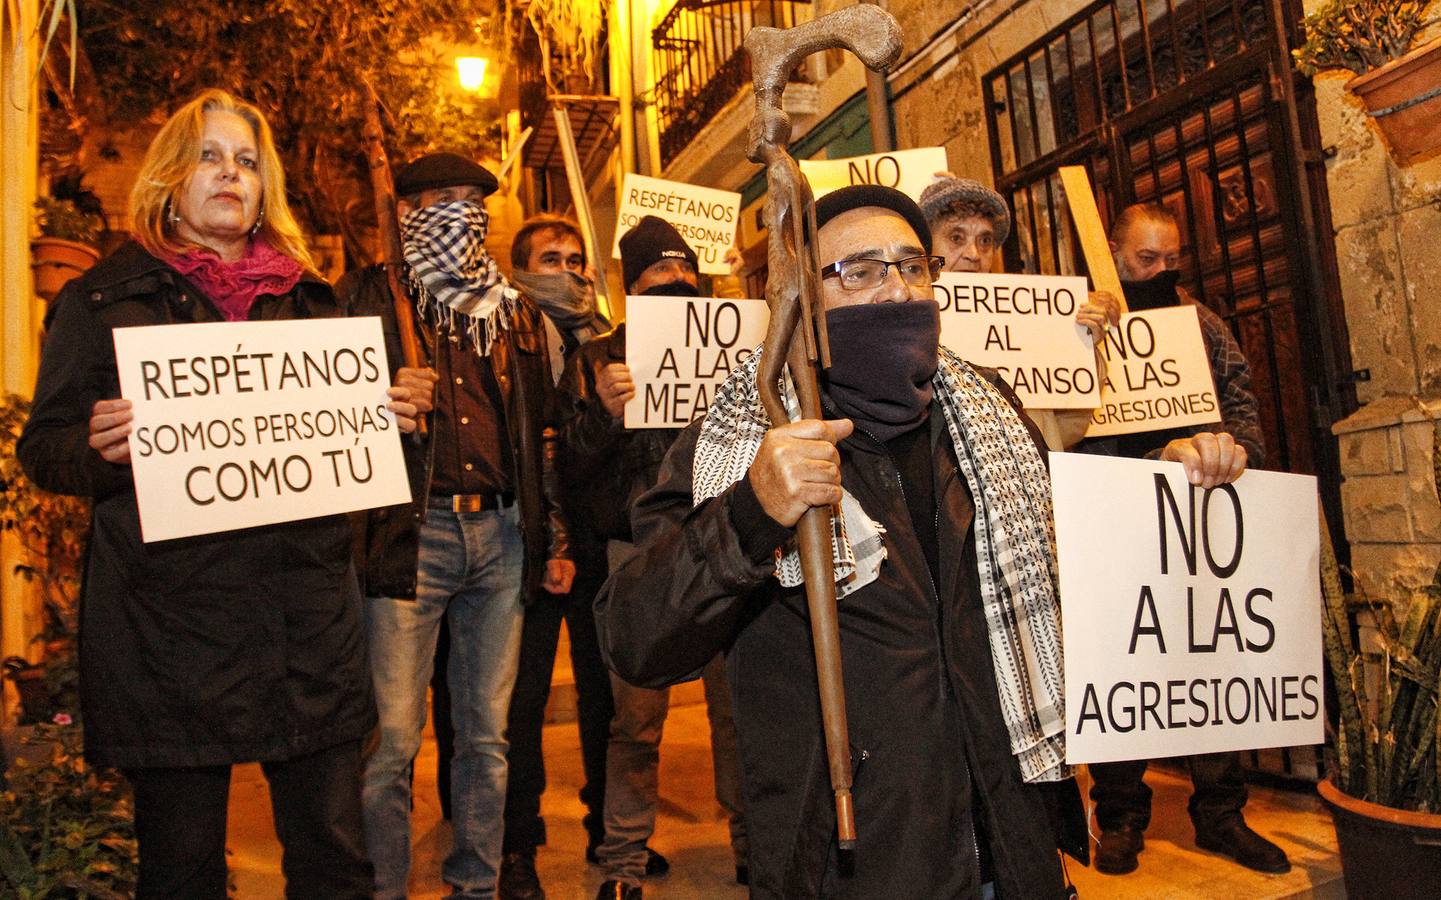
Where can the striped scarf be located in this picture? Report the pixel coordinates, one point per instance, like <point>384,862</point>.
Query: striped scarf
<point>1015,539</point>
<point>455,282</point>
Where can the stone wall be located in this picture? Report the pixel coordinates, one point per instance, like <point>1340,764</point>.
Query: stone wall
<point>1393,517</point>
<point>1387,222</point>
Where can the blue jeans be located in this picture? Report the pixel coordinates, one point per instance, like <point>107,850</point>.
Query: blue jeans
<point>470,570</point>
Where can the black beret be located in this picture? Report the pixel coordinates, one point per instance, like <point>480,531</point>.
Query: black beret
<point>860,195</point>
<point>650,241</point>
<point>434,171</point>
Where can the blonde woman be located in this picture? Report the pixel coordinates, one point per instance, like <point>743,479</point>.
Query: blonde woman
<point>234,647</point>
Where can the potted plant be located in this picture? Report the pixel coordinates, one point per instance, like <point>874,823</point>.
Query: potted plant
<point>51,530</point>
<point>1384,793</point>
<point>66,829</point>
<point>1399,86</point>
<point>66,246</point>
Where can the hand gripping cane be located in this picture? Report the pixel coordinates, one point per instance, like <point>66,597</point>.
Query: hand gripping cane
<point>797,332</point>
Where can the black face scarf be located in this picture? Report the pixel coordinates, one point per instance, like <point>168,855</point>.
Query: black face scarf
<point>672,289</point>
<point>1153,293</point>
<point>883,356</point>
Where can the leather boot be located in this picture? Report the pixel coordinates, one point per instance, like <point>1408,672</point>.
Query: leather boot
<point>1117,851</point>
<point>1234,838</point>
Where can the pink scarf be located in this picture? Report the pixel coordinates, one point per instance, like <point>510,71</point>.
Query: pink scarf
<point>233,286</point>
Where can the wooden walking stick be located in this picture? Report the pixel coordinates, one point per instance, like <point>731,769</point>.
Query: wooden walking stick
<point>797,332</point>
<point>392,257</point>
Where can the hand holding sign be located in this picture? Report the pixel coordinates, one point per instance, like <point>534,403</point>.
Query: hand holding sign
<point>1210,460</point>
<point>110,430</point>
<point>615,388</point>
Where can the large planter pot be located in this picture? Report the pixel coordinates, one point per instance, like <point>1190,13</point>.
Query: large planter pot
<point>1389,854</point>
<point>55,261</point>
<point>1404,97</point>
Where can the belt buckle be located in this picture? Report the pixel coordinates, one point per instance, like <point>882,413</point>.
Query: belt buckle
<point>467,503</point>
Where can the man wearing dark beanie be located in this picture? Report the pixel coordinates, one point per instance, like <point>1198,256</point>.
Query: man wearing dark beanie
<point>607,468</point>
<point>952,657</point>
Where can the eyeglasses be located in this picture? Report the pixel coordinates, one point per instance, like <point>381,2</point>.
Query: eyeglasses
<point>865,273</point>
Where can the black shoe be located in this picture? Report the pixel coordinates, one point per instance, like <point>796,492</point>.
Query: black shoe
<point>618,890</point>
<point>518,880</point>
<point>743,875</point>
<point>1116,853</point>
<point>1234,838</point>
<point>655,864</point>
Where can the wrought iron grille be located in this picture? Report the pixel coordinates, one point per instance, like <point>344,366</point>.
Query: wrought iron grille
<point>699,64</point>
<point>1082,76</point>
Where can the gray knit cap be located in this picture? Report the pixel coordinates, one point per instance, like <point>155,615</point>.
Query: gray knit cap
<point>948,189</point>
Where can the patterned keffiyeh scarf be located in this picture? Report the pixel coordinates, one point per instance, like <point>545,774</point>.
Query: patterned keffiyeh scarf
<point>1015,539</point>
<point>455,282</point>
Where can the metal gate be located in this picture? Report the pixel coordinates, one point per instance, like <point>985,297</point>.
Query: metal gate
<point>1180,102</point>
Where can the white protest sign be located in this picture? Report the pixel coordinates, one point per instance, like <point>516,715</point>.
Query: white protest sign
<point>251,423</point>
<point>1157,375</point>
<point>1025,327</point>
<point>680,350</point>
<point>704,216</point>
<point>1192,619</point>
<point>908,171</point>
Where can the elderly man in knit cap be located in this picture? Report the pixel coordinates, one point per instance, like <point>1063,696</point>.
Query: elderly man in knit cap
<point>607,468</point>
<point>949,622</point>
<point>968,223</point>
<point>483,531</point>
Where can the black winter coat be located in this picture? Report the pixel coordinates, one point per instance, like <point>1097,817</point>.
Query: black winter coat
<point>927,737</point>
<point>222,648</point>
<point>387,539</point>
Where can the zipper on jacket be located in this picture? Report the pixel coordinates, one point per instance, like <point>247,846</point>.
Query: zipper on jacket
<point>945,686</point>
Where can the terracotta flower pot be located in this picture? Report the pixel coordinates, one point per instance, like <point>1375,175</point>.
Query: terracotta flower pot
<point>1404,97</point>
<point>1389,854</point>
<point>55,261</point>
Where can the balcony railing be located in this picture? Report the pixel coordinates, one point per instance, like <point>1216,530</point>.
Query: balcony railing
<point>699,64</point>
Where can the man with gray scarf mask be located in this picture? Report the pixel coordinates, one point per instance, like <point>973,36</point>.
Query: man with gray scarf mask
<point>549,265</point>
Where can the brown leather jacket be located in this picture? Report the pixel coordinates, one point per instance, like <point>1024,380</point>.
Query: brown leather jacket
<point>387,539</point>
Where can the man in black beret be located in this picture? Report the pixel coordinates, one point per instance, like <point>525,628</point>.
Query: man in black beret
<point>482,533</point>
<point>608,467</point>
<point>949,622</point>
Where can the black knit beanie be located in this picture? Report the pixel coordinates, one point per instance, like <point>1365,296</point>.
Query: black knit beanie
<point>650,241</point>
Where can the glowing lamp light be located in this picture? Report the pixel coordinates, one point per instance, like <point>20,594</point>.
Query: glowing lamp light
<point>471,70</point>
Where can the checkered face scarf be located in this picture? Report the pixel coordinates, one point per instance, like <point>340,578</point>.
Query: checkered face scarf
<point>1015,539</point>
<point>455,282</point>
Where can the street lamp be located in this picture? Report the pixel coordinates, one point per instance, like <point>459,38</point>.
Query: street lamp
<point>471,71</point>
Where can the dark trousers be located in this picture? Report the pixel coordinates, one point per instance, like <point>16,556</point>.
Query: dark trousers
<point>1124,801</point>
<point>524,827</point>
<point>180,825</point>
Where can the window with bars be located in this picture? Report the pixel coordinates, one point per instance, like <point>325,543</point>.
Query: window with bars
<point>1053,101</point>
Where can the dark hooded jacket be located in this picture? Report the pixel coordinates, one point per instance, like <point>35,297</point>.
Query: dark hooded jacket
<point>222,648</point>
<point>929,746</point>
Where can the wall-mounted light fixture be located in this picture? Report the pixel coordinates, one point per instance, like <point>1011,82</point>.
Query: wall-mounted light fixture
<point>471,71</point>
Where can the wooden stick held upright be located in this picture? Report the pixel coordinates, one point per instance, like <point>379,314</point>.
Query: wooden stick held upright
<point>388,219</point>
<point>797,332</point>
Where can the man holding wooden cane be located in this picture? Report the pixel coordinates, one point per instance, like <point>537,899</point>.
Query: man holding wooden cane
<point>949,623</point>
